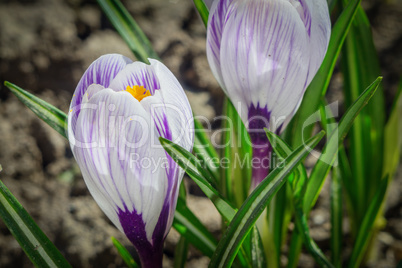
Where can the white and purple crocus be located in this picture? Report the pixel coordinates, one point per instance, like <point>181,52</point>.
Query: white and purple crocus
<point>119,110</point>
<point>264,54</point>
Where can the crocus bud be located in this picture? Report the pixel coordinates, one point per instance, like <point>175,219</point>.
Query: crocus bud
<point>264,54</point>
<point>119,110</point>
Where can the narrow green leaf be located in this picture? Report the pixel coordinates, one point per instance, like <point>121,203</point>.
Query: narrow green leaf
<point>336,218</point>
<point>365,228</point>
<point>194,169</point>
<point>237,152</point>
<point>128,29</point>
<point>294,249</point>
<point>336,191</point>
<point>202,10</point>
<point>180,253</point>
<point>252,208</point>
<point>125,255</point>
<point>393,137</point>
<point>45,111</point>
<point>283,150</point>
<point>328,157</point>
<point>189,226</point>
<point>32,240</point>
<point>257,250</point>
<point>360,66</point>
<point>319,85</point>
<point>205,151</point>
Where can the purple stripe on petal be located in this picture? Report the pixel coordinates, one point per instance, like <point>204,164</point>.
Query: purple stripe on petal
<point>136,74</point>
<point>101,72</point>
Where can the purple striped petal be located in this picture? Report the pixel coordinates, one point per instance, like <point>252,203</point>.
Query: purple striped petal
<point>320,35</point>
<point>101,71</point>
<point>121,171</point>
<point>264,63</point>
<point>136,74</point>
<point>114,138</point>
<point>216,23</point>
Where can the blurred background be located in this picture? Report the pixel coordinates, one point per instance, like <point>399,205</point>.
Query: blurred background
<point>46,45</point>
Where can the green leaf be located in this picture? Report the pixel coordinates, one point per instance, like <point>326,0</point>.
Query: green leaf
<point>180,253</point>
<point>336,218</point>
<point>257,250</point>
<point>123,252</point>
<point>283,150</point>
<point>252,208</point>
<point>319,84</point>
<point>294,249</point>
<point>365,228</point>
<point>205,151</point>
<point>202,10</point>
<point>393,138</point>
<point>128,29</point>
<point>189,226</point>
<point>328,157</point>
<point>194,169</point>
<point>237,152</point>
<point>360,66</point>
<point>32,240</point>
<point>45,111</point>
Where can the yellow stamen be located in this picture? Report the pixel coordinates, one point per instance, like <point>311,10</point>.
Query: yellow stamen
<point>138,92</point>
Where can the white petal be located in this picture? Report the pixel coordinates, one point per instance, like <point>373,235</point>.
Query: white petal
<point>115,155</point>
<point>216,24</point>
<point>177,106</point>
<point>100,72</point>
<point>136,74</point>
<point>264,63</point>
<point>320,34</point>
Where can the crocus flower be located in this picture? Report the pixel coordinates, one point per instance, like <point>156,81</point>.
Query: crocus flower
<point>119,110</point>
<point>264,53</point>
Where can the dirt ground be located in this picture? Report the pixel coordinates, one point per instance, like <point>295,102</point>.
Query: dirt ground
<point>46,45</point>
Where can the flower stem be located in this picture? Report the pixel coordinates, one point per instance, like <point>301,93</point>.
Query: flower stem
<point>261,163</point>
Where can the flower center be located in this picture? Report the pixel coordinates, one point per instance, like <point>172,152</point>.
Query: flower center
<point>138,92</point>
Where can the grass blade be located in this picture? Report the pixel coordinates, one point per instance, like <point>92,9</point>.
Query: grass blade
<point>319,85</point>
<point>393,138</point>
<point>128,29</point>
<point>202,10</point>
<point>205,151</point>
<point>189,226</point>
<point>252,208</point>
<point>180,254</point>
<point>194,169</point>
<point>299,185</point>
<point>236,175</point>
<point>362,239</point>
<point>125,255</point>
<point>328,158</point>
<point>336,218</point>
<point>45,111</point>
<point>257,250</point>
<point>32,240</point>
<point>360,66</point>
